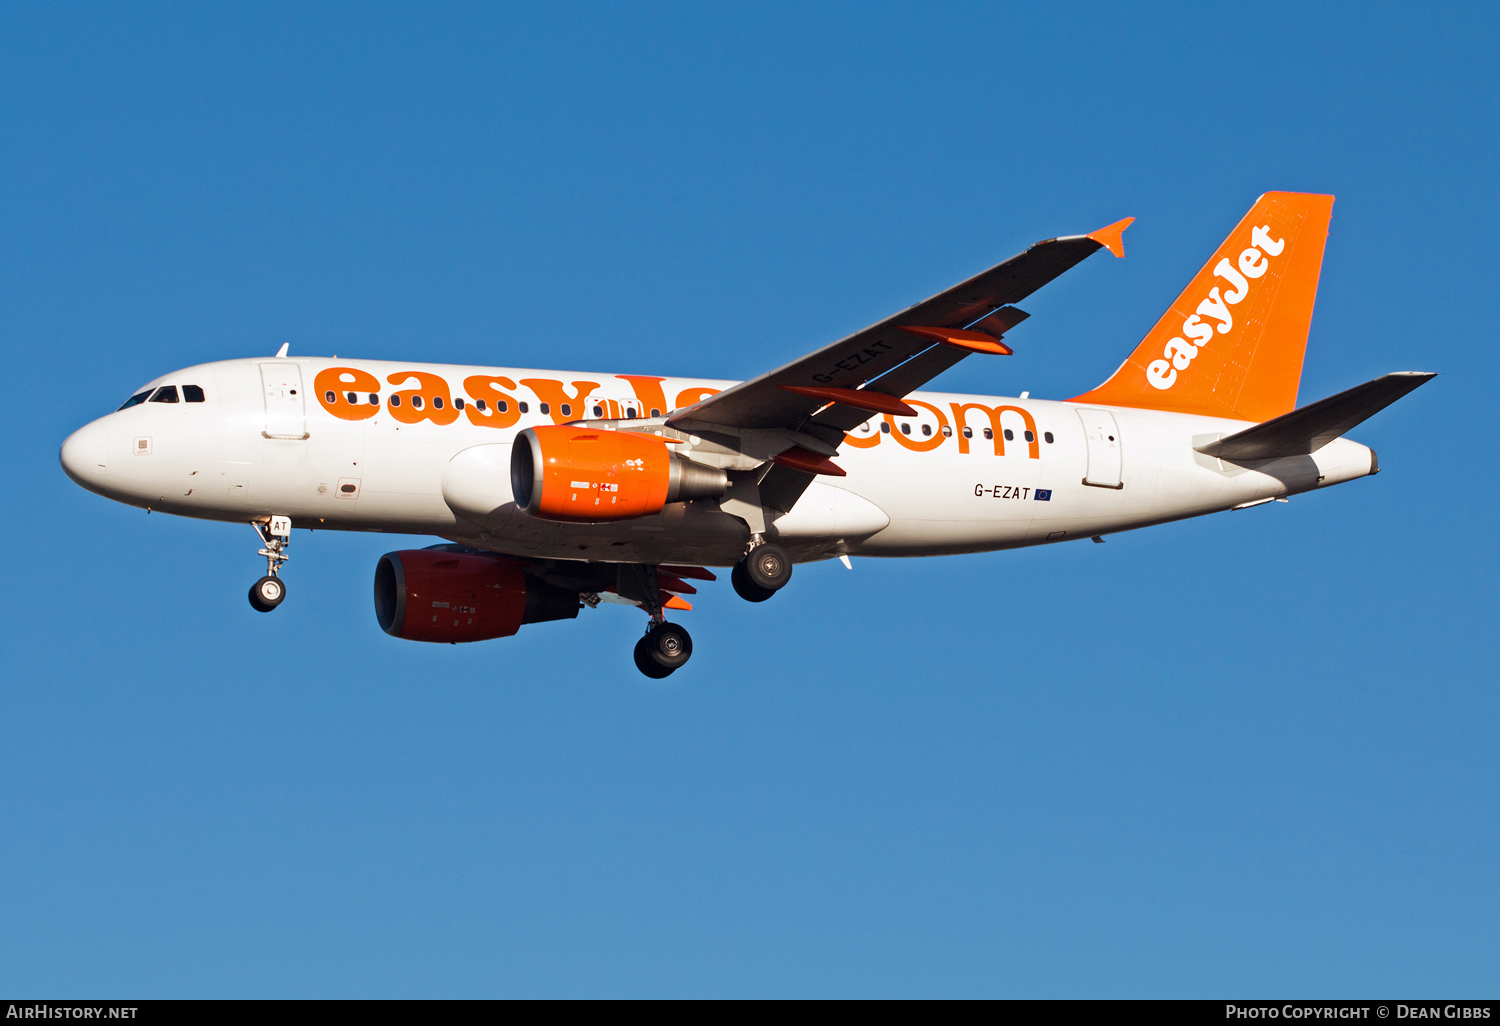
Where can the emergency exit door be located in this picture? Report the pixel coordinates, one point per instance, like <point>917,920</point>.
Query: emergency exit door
<point>284,411</point>
<point>1103,438</point>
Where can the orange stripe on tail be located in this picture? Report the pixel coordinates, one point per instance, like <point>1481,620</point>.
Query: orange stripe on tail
<point>1232,344</point>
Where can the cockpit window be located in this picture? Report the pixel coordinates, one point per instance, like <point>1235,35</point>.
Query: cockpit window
<point>192,394</point>
<point>165,394</point>
<point>136,399</point>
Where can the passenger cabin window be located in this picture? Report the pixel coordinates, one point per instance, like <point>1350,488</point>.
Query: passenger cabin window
<point>165,394</point>
<point>885,429</point>
<point>479,405</point>
<point>1010,436</point>
<point>567,410</point>
<point>598,410</point>
<point>906,429</point>
<point>1048,437</point>
<point>458,403</point>
<point>136,400</point>
<point>988,433</point>
<point>968,432</point>
<point>374,399</point>
<point>416,402</point>
<point>947,431</point>
<point>926,429</point>
<point>655,412</point>
<point>395,400</point>
<point>1030,437</point>
<point>630,412</point>
<point>546,409</point>
<point>524,409</point>
<point>192,393</point>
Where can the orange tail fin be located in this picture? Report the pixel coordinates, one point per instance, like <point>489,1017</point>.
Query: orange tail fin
<point>1232,343</point>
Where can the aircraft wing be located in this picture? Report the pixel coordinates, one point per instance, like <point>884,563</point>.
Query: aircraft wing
<point>898,354</point>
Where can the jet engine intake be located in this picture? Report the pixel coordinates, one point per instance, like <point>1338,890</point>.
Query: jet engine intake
<point>440,596</point>
<point>585,475</point>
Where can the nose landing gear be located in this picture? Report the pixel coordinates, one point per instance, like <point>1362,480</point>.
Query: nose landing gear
<point>266,594</point>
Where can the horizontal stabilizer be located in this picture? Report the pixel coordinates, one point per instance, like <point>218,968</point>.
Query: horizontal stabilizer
<point>1305,431</point>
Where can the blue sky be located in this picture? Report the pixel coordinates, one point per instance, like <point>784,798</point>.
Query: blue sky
<point>1251,754</point>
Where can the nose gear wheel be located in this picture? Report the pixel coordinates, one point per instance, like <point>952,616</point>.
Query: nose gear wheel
<point>266,594</point>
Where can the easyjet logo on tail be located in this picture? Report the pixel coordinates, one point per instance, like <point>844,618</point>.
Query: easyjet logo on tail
<point>1178,354</point>
<point>1231,343</point>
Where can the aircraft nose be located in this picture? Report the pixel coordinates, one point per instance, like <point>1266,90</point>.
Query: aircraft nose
<point>84,454</point>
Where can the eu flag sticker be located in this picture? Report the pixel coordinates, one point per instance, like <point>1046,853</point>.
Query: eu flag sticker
<point>1043,494</point>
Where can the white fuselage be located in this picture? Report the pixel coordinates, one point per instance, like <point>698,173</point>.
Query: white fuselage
<point>251,450</point>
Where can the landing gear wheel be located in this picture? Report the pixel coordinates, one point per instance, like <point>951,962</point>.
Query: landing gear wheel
<point>275,534</point>
<point>768,566</point>
<point>646,664</point>
<point>665,647</point>
<point>747,589</point>
<point>266,594</point>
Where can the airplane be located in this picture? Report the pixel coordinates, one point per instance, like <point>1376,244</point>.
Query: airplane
<point>558,491</point>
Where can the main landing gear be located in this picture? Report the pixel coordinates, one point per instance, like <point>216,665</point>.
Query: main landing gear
<point>761,572</point>
<point>266,594</point>
<point>665,647</point>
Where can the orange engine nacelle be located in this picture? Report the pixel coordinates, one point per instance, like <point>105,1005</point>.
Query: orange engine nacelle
<point>433,595</point>
<point>584,475</point>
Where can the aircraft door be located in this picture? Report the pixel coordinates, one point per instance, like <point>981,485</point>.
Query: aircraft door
<point>1103,439</point>
<point>284,410</point>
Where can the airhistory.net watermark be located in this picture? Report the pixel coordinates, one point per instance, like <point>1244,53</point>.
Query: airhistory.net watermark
<point>46,1010</point>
